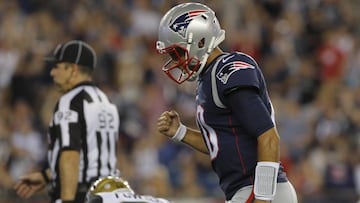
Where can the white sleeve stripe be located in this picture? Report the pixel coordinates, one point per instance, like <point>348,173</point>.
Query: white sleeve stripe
<point>214,87</point>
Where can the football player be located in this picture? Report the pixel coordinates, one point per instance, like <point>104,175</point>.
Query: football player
<point>234,112</point>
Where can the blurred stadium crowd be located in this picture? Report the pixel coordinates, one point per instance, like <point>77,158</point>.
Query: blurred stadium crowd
<point>309,51</point>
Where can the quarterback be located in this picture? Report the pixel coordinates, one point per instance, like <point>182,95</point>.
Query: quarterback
<point>234,113</point>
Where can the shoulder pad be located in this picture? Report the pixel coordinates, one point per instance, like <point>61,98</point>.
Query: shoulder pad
<point>232,63</point>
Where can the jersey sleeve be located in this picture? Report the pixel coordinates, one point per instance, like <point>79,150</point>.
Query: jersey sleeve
<point>237,70</point>
<point>69,118</point>
<point>248,104</point>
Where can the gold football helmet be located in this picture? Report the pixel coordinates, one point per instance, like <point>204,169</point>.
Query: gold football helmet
<point>109,184</point>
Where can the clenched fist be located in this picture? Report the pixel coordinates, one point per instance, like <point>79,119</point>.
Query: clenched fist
<point>168,123</point>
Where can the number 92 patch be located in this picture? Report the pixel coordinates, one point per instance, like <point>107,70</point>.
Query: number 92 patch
<point>68,116</point>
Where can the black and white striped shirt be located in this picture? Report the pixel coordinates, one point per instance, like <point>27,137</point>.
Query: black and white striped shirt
<point>84,120</point>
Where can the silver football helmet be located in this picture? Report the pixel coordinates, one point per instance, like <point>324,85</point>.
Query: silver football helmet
<point>188,32</point>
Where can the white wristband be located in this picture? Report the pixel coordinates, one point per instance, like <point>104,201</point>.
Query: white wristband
<point>180,133</point>
<point>266,173</point>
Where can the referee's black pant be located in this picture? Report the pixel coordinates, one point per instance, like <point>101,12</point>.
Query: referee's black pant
<point>80,195</point>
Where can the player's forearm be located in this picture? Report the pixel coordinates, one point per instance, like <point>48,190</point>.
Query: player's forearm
<point>69,170</point>
<point>267,166</point>
<point>194,139</point>
<point>269,146</point>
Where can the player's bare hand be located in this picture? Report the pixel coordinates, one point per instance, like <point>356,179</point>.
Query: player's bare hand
<point>29,184</point>
<point>168,123</point>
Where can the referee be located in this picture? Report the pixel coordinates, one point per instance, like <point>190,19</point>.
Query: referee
<point>83,131</point>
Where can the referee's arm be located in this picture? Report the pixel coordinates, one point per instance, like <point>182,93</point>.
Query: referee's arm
<point>69,170</point>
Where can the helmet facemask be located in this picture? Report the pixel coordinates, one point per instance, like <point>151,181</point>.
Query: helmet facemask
<point>179,67</point>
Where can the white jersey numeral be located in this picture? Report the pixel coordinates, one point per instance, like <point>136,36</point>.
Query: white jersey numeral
<point>208,133</point>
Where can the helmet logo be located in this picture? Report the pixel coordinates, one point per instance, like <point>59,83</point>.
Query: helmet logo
<point>181,23</point>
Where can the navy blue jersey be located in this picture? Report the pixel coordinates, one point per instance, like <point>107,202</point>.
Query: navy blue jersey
<point>233,149</point>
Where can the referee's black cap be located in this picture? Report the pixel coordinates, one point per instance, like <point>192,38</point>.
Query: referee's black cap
<point>74,51</point>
